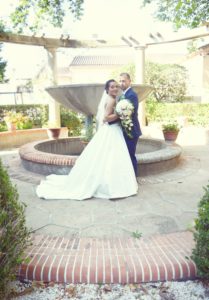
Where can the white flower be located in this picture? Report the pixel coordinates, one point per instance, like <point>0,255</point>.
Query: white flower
<point>124,109</point>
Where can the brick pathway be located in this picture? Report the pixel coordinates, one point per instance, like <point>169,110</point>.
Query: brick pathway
<point>94,260</point>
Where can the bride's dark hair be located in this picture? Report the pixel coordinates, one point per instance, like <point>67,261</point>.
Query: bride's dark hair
<point>107,84</point>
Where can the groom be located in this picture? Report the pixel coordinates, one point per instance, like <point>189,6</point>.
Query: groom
<point>128,93</point>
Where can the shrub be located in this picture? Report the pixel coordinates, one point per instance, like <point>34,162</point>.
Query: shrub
<point>197,114</point>
<point>21,121</point>
<point>37,114</point>
<point>89,133</point>
<point>72,121</point>
<point>200,253</point>
<point>27,124</point>
<point>13,232</point>
<point>3,127</point>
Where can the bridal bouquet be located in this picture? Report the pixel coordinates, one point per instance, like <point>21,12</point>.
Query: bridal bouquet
<point>124,109</point>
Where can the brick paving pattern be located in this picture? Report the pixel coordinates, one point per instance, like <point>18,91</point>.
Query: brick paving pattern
<point>93,260</point>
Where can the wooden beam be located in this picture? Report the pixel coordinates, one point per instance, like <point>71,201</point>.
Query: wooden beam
<point>57,43</point>
<point>179,39</point>
<point>48,42</point>
<point>191,34</point>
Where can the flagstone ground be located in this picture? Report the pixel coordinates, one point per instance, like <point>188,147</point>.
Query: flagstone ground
<point>96,241</point>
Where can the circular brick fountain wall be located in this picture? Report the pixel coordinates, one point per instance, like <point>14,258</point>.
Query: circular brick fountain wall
<point>59,156</point>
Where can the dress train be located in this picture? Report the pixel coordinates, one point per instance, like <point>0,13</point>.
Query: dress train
<point>103,170</point>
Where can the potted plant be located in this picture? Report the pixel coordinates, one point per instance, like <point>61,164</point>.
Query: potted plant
<point>170,130</point>
<point>89,132</point>
<point>12,119</point>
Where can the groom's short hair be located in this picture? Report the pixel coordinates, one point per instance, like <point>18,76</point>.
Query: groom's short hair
<point>125,74</point>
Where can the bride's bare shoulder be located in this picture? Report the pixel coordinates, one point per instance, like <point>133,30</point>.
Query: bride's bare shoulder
<point>110,100</point>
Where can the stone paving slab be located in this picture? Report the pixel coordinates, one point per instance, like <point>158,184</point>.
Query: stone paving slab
<point>91,230</point>
<point>165,203</point>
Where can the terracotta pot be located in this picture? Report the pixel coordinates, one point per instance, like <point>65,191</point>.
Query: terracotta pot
<point>53,133</point>
<point>11,126</point>
<point>170,135</point>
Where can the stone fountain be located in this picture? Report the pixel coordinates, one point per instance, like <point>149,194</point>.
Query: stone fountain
<point>58,156</point>
<point>84,98</point>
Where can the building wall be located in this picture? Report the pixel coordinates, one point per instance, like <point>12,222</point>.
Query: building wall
<point>92,74</point>
<point>194,66</point>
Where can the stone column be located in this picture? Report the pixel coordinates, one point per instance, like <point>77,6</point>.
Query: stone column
<point>205,79</point>
<point>140,78</point>
<point>54,106</point>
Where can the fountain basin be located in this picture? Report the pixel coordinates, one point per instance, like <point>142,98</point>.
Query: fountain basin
<point>59,156</point>
<point>84,98</point>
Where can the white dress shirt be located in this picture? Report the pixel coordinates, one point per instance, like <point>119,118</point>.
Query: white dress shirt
<point>126,90</point>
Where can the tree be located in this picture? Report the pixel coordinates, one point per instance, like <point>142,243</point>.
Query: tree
<point>168,80</point>
<point>190,13</point>
<point>42,11</point>
<point>2,62</point>
<point>129,68</point>
<point>2,68</point>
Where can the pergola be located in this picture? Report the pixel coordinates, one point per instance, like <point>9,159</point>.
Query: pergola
<point>51,45</point>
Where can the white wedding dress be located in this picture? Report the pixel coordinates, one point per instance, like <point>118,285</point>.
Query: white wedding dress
<point>103,170</point>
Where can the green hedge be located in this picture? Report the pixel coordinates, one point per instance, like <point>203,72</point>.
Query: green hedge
<point>197,114</point>
<point>200,253</point>
<point>38,114</point>
<point>14,234</point>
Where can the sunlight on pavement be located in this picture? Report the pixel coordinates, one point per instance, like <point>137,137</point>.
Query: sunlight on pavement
<point>188,136</point>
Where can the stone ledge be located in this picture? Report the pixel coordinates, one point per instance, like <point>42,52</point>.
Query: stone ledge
<point>93,260</point>
<point>172,151</point>
<point>29,152</point>
<point>17,138</point>
<point>53,156</point>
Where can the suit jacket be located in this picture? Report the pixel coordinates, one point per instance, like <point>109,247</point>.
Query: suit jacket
<point>133,98</point>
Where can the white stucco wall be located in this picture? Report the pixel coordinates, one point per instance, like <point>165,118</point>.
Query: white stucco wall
<point>92,74</point>
<point>194,66</point>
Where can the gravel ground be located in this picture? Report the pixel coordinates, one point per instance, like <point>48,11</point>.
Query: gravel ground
<point>187,290</point>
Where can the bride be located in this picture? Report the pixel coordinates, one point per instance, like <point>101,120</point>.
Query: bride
<point>104,168</point>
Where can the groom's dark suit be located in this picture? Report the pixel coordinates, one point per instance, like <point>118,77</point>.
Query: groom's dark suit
<point>136,130</point>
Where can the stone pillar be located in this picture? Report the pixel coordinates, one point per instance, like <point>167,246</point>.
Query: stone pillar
<point>88,121</point>
<point>54,106</point>
<point>140,79</point>
<point>205,80</point>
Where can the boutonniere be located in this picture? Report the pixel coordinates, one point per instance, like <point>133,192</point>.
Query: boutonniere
<point>122,96</point>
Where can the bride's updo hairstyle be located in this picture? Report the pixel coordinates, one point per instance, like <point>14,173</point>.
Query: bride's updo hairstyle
<point>107,84</point>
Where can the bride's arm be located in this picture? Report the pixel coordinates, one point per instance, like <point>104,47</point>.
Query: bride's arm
<point>110,116</point>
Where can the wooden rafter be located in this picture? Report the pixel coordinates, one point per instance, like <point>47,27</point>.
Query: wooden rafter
<point>57,42</point>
